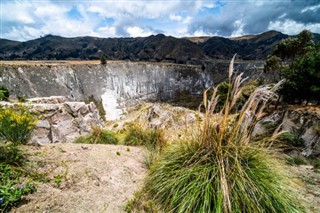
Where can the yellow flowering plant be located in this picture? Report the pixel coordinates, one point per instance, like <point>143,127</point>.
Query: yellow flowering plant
<point>16,125</point>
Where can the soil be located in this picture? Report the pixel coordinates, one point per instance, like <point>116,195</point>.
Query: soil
<point>84,178</point>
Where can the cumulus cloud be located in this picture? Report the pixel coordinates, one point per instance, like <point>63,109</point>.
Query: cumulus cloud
<point>24,20</point>
<point>257,17</point>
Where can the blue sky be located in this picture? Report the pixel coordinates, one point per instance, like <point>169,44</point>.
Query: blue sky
<point>24,20</point>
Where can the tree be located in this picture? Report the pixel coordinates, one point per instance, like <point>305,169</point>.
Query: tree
<point>298,61</point>
<point>103,60</point>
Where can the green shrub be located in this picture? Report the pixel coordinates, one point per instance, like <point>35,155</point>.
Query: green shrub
<point>10,154</point>
<point>98,136</point>
<point>16,125</point>
<point>103,60</point>
<point>296,161</point>
<point>11,187</point>
<point>138,135</point>
<point>219,169</point>
<point>291,139</point>
<point>4,93</point>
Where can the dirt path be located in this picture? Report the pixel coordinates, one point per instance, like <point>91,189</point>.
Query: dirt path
<point>85,178</point>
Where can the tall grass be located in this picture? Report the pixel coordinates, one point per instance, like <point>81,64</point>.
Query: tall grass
<point>220,169</point>
<point>140,135</point>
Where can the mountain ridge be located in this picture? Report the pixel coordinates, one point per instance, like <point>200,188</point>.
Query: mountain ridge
<point>152,48</point>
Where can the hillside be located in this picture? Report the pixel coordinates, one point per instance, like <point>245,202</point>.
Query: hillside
<point>152,48</point>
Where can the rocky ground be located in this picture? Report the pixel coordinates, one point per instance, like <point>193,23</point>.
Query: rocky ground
<point>102,178</point>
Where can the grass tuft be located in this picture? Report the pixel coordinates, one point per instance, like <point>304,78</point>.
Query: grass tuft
<point>139,135</point>
<point>220,168</point>
<point>98,136</point>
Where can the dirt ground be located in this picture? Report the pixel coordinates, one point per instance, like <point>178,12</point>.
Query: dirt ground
<point>76,178</point>
<point>84,178</point>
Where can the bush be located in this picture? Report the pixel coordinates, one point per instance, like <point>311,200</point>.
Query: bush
<point>98,136</point>
<point>103,60</point>
<point>4,93</point>
<point>16,125</point>
<point>11,187</point>
<point>296,161</point>
<point>219,169</point>
<point>291,139</point>
<point>138,135</point>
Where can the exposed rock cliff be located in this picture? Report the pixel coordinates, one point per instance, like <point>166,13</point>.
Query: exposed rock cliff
<point>117,84</point>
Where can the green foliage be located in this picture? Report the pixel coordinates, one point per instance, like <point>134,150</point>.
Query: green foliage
<point>103,60</point>
<point>298,61</point>
<point>138,135</point>
<point>296,161</point>
<point>4,93</point>
<point>11,154</point>
<point>291,139</point>
<point>140,203</point>
<point>98,136</point>
<point>11,187</point>
<point>219,168</point>
<point>16,125</point>
<point>302,79</point>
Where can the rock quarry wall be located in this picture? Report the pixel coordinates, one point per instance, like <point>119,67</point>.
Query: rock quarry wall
<point>117,84</point>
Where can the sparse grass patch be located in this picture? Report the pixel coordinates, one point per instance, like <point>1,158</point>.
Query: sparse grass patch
<point>140,203</point>
<point>98,136</point>
<point>139,135</point>
<point>296,161</point>
<point>291,139</point>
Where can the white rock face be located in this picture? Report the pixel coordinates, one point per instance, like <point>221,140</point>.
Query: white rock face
<point>110,105</point>
<point>60,121</point>
<point>303,122</point>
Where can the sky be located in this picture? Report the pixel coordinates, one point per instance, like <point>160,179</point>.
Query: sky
<point>30,19</point>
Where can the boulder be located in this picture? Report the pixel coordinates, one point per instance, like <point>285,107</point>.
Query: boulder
<point>60,121</point>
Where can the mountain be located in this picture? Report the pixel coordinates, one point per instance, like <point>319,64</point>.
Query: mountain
<point>153,48</point>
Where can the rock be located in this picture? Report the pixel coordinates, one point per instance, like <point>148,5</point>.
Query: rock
<point>303,122</point>
<point>13,99</point>
<point>48,100</point>
<point>60,121</point>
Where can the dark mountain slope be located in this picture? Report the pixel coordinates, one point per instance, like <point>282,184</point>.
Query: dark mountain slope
<point>152,48</point>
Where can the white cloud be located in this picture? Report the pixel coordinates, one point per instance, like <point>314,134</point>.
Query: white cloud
<point>238,25</point>
<point>292,27</point>
<point>47,10</point>
<point>138,32</point>
<point>312,8</point>
<point>209,5</point>
<point>106,31</point>
<point>175,17</point>
<point>187,20</point>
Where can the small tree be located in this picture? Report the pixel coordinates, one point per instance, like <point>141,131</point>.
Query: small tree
<point>103,60</point>
<point>297,60</point>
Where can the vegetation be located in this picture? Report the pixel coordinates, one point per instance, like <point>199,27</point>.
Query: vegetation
<point>4,93</point>
<point>15,129</point>
<point>298,61</point>
<point>291,139</point>
<point>98,136</point>
<point>16,125</point>
<point>139,135</point>
<point>220,169</point>
<point>103,60</point>
<point>296,161</point>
